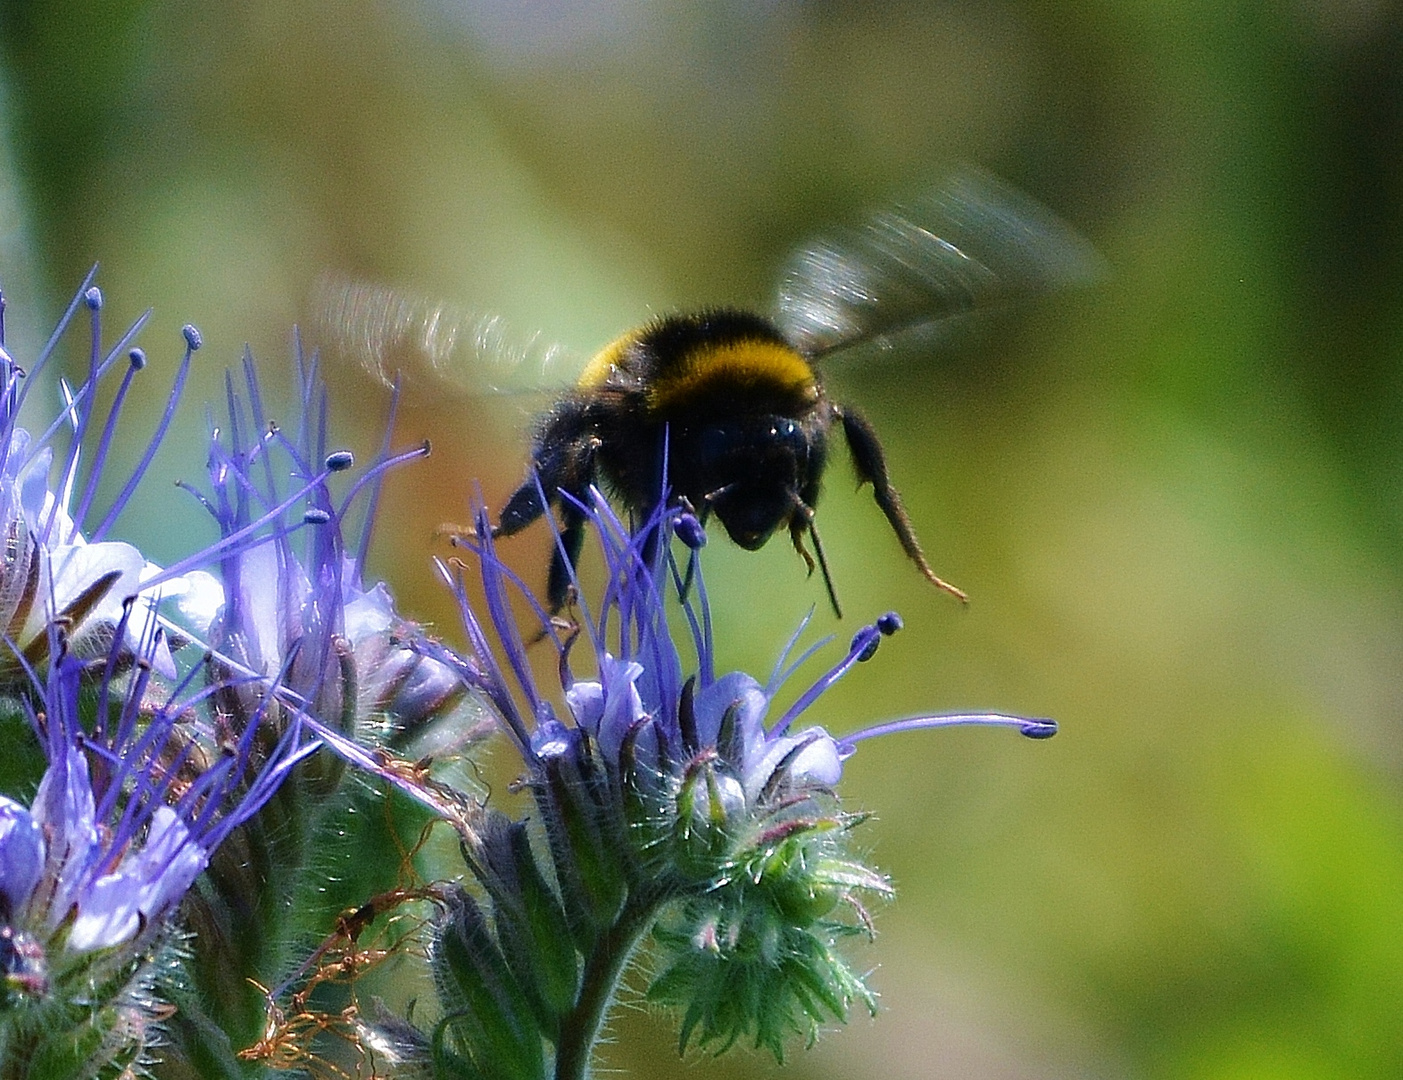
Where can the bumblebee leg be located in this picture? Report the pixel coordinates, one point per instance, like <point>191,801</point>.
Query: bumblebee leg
<point>562,458</point>
<point>871,467</point>
<point>562,463</point>
<point>803,522</point>
<point>522,508</point>
<point>560,582</point>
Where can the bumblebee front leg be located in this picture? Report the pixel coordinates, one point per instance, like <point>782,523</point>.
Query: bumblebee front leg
<point>564,556</point>
<point>562,463</point>
<point>871,466</point>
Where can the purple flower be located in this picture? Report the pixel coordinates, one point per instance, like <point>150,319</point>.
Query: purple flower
<point>637,709</point>
<point>125,817</point>
<point>287,597</point>
<point>172,704</point>
<point>677,806</point>
<point>146,776</point>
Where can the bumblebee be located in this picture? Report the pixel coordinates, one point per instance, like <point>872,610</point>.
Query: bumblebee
<point>738,399</point>
<point>747,424</point>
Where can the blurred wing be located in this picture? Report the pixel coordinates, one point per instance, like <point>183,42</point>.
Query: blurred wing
<point>968,243</point>
<point>389,332</point>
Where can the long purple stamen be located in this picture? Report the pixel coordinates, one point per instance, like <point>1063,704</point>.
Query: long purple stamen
<point>255,405</point>
<point>48,350</point>
<point>192,342</point>
<point>500,609</point>
<point>372,503</point>
<point>375,475</point>
<point>490,680</point>
<point>137,361</point>
<point>1032,727</point>
<point>864,641</point>
<point>235,541</point>
<point>78,408</point>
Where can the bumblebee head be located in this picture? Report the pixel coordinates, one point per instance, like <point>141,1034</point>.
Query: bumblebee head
<point>750,513</point>
<point>752,471</point>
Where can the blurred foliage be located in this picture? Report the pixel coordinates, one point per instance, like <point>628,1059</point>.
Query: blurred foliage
<point>1175,499</point>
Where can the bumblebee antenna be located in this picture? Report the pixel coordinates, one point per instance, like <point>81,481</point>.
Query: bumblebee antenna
<point>801,523</point>
<point>823,567</point>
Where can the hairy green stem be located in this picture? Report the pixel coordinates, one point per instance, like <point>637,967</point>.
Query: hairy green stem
<point>603,968</point>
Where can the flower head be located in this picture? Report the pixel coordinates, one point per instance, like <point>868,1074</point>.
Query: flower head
<point>636,713</point>
<point>674,801</point>
<point>126,815</point>
<point>174,705</point>
<point>287,597</point>
<point>145,774</point>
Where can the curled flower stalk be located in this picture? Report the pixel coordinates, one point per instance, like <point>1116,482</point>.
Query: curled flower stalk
<point>676,809</point>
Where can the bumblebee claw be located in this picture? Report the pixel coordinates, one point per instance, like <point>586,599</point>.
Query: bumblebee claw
<point>958,593</point>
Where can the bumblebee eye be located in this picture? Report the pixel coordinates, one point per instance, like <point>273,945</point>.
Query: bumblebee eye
<point>788,434</point>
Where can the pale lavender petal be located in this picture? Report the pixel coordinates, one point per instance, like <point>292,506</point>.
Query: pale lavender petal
<point>21,856</point>
<point>738,689</point>
<point>34,492</point>
<point>198,596</point>
<point>148,883</point>
<point>75,567</point>
<point>623,706</point>
<point>271,594</point>
<point>820,763</point>
<point>167,864</point>
<point>585,699</point>
<point>367,613</point>
<point>65,809</point>
<point>817,762</point>
<point>551,739</point>
<point>107,914</point>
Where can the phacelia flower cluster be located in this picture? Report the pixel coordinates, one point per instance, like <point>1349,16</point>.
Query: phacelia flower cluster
<point>678,812</point>
<point>172,706</point>
<point>171,814</point>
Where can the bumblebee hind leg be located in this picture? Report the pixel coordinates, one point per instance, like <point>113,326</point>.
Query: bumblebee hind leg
<point>524,507</point>
<point>871,466</point>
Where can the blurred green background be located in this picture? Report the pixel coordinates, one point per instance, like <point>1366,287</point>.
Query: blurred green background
<point>1176,499</point>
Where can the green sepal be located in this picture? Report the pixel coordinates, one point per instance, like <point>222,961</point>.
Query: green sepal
<point>754,959</point>
<point>529,919</point>
<point>587,845</point>
<point>338,702</point>
<point>701,840</point>
<point>490,1018</point>
<point>74,1050</point>
<point>755,979</point>
<point>94,1020</point>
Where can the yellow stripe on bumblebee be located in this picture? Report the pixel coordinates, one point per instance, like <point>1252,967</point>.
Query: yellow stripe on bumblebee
<point>740,367</point>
